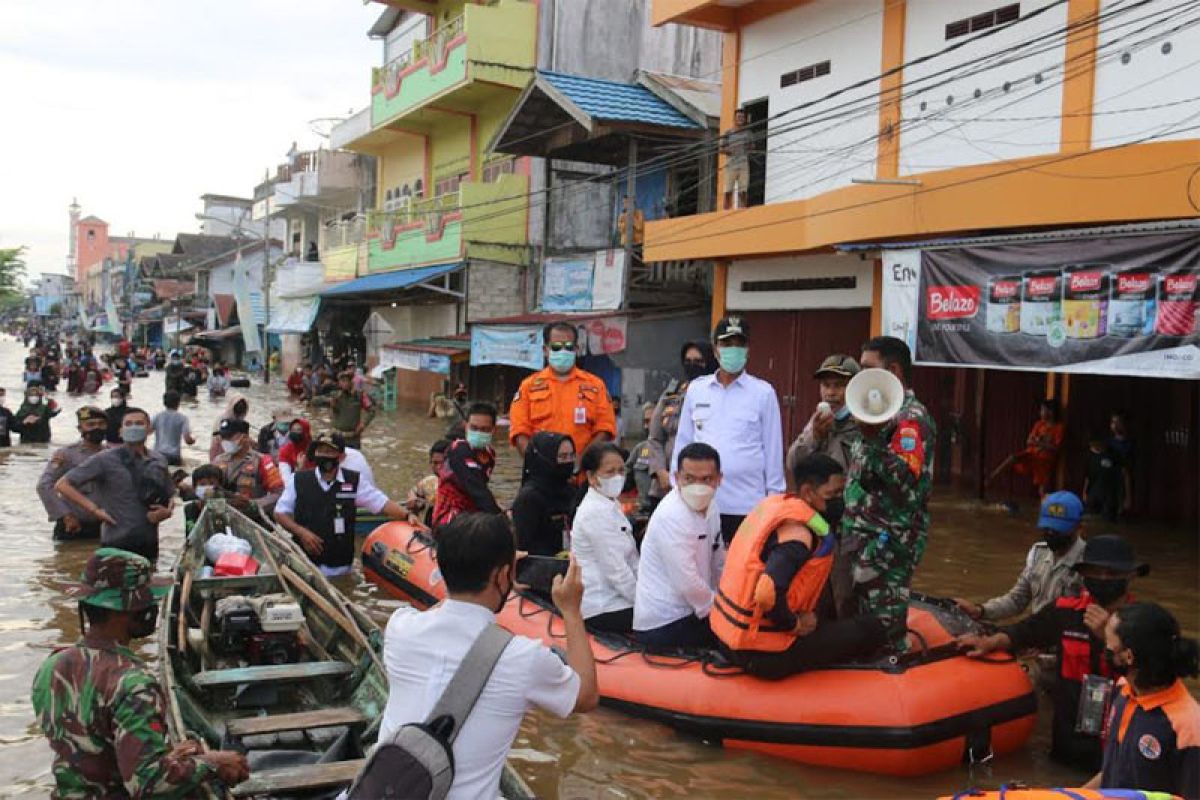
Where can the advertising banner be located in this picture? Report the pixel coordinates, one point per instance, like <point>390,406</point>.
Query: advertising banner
<point>516,346</point>
<point>1118,306</point>
<point>901,288</point>
<point>435,362</point>
<point>567,284</point>
<point>602,336</point>
<point>608,280</point>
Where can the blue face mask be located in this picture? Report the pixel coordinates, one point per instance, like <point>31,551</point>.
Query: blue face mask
<point>842,413</point>
<point>562,361</point>
<point>732,359</point>
<point>478,439</point>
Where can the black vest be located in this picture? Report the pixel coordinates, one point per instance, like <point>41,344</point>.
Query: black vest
<point>317,509</point>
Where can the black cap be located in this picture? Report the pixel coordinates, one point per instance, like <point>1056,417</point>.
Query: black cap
<point>1111,552</point>
<point>731,326</point>
<point>230,427</point>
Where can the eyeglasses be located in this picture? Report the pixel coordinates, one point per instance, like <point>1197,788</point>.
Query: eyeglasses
<point>558,347</point>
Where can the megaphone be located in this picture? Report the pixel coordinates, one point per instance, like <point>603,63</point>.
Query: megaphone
<point>874,396</point>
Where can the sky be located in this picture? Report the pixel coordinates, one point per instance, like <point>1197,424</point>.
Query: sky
<point>138,107</point>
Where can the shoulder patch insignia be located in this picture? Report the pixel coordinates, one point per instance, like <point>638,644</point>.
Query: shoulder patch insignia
<point>1149,747</point>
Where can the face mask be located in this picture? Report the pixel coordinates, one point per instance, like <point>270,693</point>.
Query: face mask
<point>1106,591</point>
<point>144,622</point>
<point>118,401</point>
<point>842,413</point>
<point>230,446</point>
<point>611,486</point>
<point>94,436</point>
<point>296,437</point>
<point>693,371</point>
<point>562,361</point>
<point>282,427</point>
<point>134,434</point>
<point>564,472</point>
<point>504,593</point>
<point>732,359</point>
<point>834,509</point>
<point>1117,670</point>
<point>203,492</point>
<point>478,439</point>
<point>697,496</point>
<point>327,464</point>
<point>34,399</point>
<point>1057,541</point>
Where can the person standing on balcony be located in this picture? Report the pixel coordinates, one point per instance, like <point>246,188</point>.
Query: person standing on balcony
<point>735,145</point>
<point>562,398</point>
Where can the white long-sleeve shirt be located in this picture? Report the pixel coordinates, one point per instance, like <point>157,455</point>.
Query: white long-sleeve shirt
<point>742,421</point>
<point>602,541</point>
<point>682,557</point>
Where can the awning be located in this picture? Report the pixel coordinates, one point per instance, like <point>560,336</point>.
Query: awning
<point>176,326</point>
<point>293,315</point>
<point>220,334</point>
<point>391,281</point>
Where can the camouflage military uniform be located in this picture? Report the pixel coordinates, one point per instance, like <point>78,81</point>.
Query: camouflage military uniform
<point>887,513</point>
<point>103,711</point>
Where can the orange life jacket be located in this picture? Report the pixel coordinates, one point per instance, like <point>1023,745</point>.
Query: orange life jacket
<point>746,592</point>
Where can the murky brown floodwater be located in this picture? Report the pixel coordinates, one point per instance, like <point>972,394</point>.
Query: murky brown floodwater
<point>973,552</point>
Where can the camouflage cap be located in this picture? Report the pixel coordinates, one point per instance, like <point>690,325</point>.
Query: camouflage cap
<point>87,413</point>
<point>119,580</point>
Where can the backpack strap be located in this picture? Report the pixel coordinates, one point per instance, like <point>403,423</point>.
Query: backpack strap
<point>453,708</point>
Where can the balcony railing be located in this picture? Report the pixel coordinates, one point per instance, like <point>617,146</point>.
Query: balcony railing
<point>342,234</point>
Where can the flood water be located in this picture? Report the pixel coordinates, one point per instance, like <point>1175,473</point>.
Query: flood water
<point>973,551</point>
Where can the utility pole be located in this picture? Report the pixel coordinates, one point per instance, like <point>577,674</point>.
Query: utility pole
<point>630,210</point>
<point>268,274</point>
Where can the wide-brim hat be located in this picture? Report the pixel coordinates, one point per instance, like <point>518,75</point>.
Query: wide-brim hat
<point>1113,552</point>
<point>119,580</point>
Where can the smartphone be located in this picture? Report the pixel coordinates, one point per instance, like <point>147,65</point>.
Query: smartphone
<point>537,572</point>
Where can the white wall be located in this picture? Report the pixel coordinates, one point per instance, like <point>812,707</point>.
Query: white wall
<point>1149,77</point>
<point>946,123</point>
<point>403,36</point>
<point>820,156</point>
<point>786,268</point>
<point>419,322</point>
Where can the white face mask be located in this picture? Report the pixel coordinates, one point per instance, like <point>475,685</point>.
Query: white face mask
<point>230,446</point>
<point>697,496</point>
<point>202,491</point>
<point>611,486</point>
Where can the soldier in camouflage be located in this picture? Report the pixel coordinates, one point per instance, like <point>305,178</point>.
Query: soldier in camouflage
<point>102,710</point>
<point>887,499</point>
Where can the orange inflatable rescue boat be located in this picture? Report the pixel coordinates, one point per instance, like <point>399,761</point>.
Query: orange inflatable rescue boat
<point>922,713</point>
<point>1025,793</point>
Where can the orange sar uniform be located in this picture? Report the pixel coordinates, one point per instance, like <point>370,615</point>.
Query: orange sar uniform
<point>577,406</point>
<point>774,572</point>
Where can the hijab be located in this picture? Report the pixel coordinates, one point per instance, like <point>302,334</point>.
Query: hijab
<point>542,469</point>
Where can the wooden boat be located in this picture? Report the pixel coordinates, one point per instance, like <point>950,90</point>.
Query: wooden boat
<point>302,698</point>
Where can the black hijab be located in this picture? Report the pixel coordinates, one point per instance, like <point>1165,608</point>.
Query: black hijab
<point>542,468</point>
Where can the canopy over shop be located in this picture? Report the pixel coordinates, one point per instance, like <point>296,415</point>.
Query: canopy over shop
<point>1102,320</point>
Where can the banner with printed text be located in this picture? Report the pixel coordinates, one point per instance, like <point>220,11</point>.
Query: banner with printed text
<point>1122,305</point>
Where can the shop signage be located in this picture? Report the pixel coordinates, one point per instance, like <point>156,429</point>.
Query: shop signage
<point>516,346</point>
<point>593,282</point>
<point>1117,305</point>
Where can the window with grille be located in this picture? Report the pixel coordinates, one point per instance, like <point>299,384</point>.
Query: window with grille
<point>984,21</point>
<point>811,72</point>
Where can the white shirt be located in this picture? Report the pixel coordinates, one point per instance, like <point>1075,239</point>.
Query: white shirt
<point>421,652</point>
<point>602,541</point>
<point>682,557</point>
<point>742,421</point>
<point>368,496</point>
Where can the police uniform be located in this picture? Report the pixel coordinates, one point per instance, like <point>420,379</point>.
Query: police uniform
<point>102,708</point>
<point>664,424</point>
<point>887,515</point>
<point>63,461</point>
<point>1153,742</point>
<point>577,406</point>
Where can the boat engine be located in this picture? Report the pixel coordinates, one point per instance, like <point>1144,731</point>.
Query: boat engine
<point>262,630</point>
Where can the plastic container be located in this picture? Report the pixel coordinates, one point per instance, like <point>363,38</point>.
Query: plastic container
<point>235,564</point>
<point>1004,304</point>
<point>1177,303</point>
<point>1041,301</point>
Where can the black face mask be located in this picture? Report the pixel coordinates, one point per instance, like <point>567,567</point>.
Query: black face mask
<point>1115,669</point>
<point>504,593</point>
<point>94,436</point>
<point>296,437</point>
<point>564,472</point>
<point>1106,591</point>
<point>144,622</point>
<point>834,509</point>
<point>327,464</point>
<point>1056,541</point>
<point>693,371</point>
